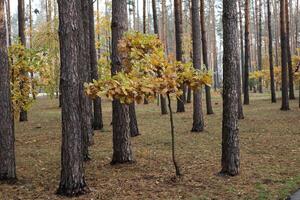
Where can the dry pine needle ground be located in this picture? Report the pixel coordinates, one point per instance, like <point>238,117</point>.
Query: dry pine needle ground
<point>270,161</point>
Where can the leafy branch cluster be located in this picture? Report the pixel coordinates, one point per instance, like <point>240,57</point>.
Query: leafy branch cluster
<point>265,74</point>
<point>23,62</point>
<point>146,72</point>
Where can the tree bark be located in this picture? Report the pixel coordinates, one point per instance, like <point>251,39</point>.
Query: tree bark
<point>259,44</point>
<point>242,43</point>
<point>7,138</point>
<point>122,152</point>
<point>272,83</point>
<point>176,166</point>
<point>145,30</point>
<point>198,120</point>
<point>155,22</point>
<point>289,56</point>
<point>297,26</point>
<point>30,37</point>
<point>97,107</point>
<point>276,23</point>
<point>134,130</point>
<point>189,95</point>
<point>247,53</point>
<point>240,64</point>
<point>8,22</point>
<point>163,102</point>
<point>21,25</point>
<point>98,22</point>
<point>214,46</point>
<point>230,130</point>
<point>284,70</point>
<point>85,76</point>
<point>179,52</point>
<point>72,181</point>
<point>144,17</point>
<point>209,108</point>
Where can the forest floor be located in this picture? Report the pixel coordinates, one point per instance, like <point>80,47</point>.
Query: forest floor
<point>269,141</point>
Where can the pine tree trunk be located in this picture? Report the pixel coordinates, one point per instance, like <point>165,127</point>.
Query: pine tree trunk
<point>145,30</point>
<point>240,62</point>
<point>30,37</point>
<point>297,26</point>
<point>259,44</point>
<point>230,130</point>
<point>254,21</point>
<point>97,107</point>
<point>21,24</point>
<point>122,152</point>
<point>289,56</point>
<point>272,83</point>
<point>8,22</point>
<point>179,52</point>
<point>239,90</point>
<point>155,22</point>
<point>209,108</point>
<point>134,130</point>
<point>7,139</point>
<point>198,120</point>
<point>242,43</point>
<point>144,17</point>
<point>284,59</point>
<point>72,181</point>
<point>189,95</point>
<point>276,23</point>
<point>55,9</point>
<point>85,76</point>
<point>247,53</point>
<point>163,102</point>
<point>214,43</point>
<point>98,22</point>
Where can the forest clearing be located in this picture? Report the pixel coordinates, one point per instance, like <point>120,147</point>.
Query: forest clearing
<point>150,99</point>
<point>269,156</point>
